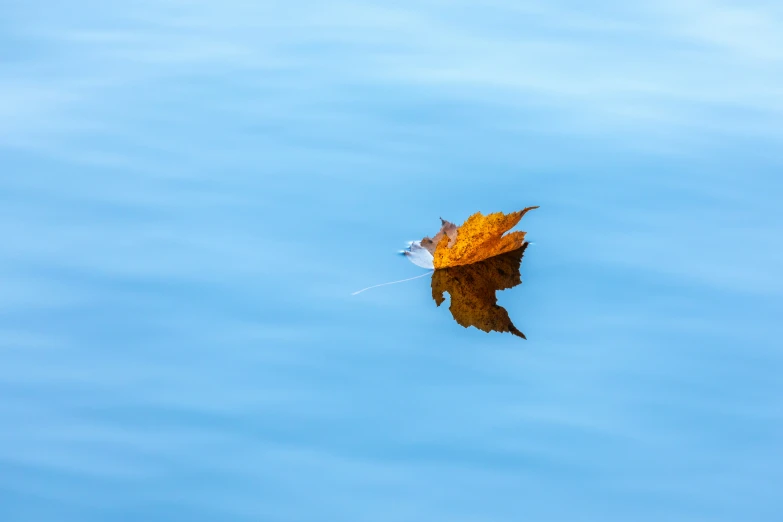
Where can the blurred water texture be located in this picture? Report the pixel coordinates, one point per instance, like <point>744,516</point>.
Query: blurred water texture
<point>190,192</point>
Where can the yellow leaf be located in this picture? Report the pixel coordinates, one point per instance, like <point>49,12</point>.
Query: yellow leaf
<point>479,238</point>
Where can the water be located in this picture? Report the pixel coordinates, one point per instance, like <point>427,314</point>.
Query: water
<point>191,191</point>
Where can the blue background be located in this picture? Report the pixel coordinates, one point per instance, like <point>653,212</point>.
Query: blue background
<point>190,191</point>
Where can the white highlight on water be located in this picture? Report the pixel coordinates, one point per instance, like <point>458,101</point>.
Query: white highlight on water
<point>393,282</point>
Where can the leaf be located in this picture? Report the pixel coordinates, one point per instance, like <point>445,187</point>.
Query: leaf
<point>472,262</point>
<point>479,238</point>
<point>447,229</point>
<point>472,290</point>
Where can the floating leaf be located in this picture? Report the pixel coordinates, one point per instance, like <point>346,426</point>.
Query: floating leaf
<point>447,229</point>
<point>479,238</point>
<point>472,290</point>
<point>472,262</point>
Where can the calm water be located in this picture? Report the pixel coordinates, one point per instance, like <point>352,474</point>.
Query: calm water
<point>190,192</point>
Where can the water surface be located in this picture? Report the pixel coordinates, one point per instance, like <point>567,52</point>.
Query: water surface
<point>190,192</point>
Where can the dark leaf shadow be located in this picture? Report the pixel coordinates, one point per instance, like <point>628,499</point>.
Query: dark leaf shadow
<point>472,290</point>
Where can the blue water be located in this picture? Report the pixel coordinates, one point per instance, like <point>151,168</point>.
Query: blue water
<point>190,192</point>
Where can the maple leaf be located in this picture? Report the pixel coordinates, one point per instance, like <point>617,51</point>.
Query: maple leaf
<point>479,238</point>
<point>447,229</point>
<point>472,262</point>
<point>472,290</point>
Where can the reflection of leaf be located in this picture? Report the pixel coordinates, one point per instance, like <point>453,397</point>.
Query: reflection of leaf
<point>479,238</point>
<point>472,290</point>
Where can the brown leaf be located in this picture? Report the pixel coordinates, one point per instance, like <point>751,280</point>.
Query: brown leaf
<point>479,238</point>
<point>472,290</point>
<point>448,229</point>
